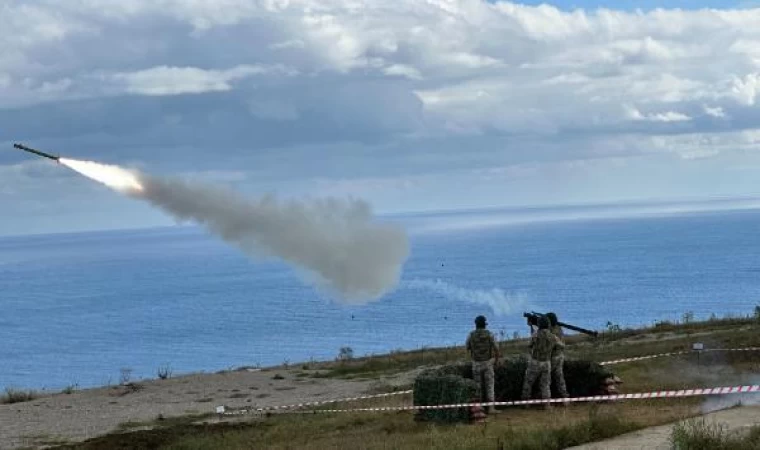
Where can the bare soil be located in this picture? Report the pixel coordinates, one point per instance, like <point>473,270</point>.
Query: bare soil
<point>65,418</point>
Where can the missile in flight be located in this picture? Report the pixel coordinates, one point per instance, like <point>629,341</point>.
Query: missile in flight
<point>36,152</point>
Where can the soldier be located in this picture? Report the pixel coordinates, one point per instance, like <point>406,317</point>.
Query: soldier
<point>484,352</point>
<point>558,357</point>
<point>542,344</point>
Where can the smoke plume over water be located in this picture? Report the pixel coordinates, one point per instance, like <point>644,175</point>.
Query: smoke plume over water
<point>334,243</point>
<point>500,302</point>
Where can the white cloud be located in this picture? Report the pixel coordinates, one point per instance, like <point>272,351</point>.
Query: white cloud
<point>714,112</point>
<point>668,116</point>
<point>409,87</point>
<point>747,88</point>
<point>165,80</point>
<point>403,70</point>
<point>692,145</point>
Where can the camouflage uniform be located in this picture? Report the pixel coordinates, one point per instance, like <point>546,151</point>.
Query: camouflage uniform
<point>558,362</point>
<point>482,346</point>
<point>539,365</point>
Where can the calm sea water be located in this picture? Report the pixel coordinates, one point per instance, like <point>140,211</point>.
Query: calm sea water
<point>78,308</point>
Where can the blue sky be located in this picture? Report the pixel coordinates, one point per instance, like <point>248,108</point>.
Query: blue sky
<point>411,105</point>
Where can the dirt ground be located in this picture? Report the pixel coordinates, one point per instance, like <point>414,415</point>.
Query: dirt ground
<point>658,438</point>
<point>92,412</point>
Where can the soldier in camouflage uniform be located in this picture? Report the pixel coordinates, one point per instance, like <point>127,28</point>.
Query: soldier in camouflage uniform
<point>558,357</point>
<point>484,352</point>
<point>542,344</point>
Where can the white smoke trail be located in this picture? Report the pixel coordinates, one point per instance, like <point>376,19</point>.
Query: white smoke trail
<point>721,402</point>
<point>500,302</point>
<point>335,241</point>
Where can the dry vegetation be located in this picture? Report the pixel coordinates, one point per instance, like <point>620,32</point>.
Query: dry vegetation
<point>514,428</point>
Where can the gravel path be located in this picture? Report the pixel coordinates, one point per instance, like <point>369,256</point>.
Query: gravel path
<point>88,413</point>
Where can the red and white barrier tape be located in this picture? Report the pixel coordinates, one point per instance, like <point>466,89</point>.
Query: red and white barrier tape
<point>315,403</point>
<point>222,409</point>
<point>660,355</point>
<point>595,398</point>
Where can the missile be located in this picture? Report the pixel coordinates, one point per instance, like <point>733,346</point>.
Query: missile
<point>36,152</point>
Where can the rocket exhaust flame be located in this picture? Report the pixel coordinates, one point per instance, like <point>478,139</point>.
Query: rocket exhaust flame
<point>333,242</point>
<point>114,177</point>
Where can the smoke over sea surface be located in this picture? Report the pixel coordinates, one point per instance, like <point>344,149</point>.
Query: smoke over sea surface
<point>333,243</point>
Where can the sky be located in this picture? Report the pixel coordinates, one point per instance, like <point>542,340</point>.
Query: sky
<point>412,105</point>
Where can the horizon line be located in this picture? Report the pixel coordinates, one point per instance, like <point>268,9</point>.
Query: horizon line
<point>704,201</point>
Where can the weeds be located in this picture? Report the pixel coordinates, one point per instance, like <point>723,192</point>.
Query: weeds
<point>126,375</point>
<point>17,396</point>
<point>345,354</point>
<point>164,372</point>
<point>700,434</point>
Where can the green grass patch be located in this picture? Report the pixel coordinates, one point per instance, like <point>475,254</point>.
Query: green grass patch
<point>514,429</point>
<point>701,434</point>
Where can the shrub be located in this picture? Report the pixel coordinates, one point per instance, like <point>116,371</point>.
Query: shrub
<point>17,396</point>
<point>437,387</point>
<point>164,372</point>
<point>126,375</point>
<point>452,383</point>
<point>345,354</point>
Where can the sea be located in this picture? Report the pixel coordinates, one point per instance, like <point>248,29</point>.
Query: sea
<point>86,309</point>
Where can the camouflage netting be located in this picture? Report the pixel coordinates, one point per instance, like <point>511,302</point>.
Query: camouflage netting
<point>453,384</point>
<point>444,386</point>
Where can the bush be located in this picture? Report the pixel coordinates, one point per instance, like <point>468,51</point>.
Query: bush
<point>441,387</point>
<point>17,396</point>
<point>345,354</point>
<point>164,372</point>
<point>583,378</point>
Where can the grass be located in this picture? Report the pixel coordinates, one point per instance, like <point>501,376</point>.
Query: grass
<point>514,428</point>
<point>518,429</point>
<point>13,395</point>
<point>700,434</point>
<point>660,338</point>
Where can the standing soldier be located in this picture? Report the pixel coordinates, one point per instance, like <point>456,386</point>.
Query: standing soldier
<point>484,352</point>
<point>558,358</point>
<point>542,344</point>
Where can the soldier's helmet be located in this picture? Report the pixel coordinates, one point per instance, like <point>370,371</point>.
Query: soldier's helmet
<point>552,319</point>
<point>480,321</point>
<point>543,322</point>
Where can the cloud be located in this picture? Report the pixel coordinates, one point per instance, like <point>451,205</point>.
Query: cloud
<point>163,80</point>
<point>370,91</point>
<point>668,116</point>
<point>715,112</point>
<point>747,89</point>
